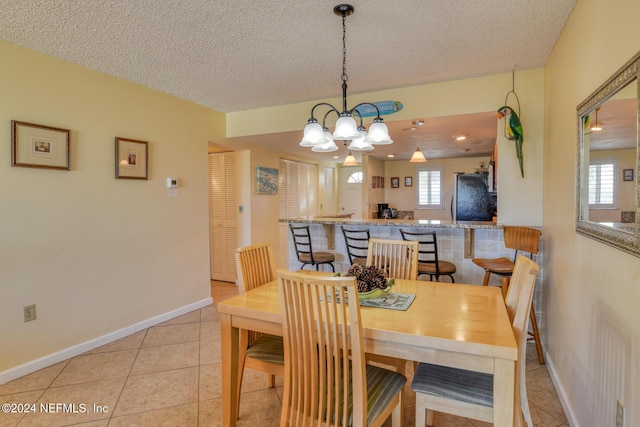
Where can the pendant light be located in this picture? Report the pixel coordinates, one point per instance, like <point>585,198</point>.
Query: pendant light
<point>596,127</point>
<point>350,160</point>
<point>317,136</point>
<point>417,156</point>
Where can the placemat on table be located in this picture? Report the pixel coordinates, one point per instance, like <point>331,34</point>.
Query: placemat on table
<point>391,301</point>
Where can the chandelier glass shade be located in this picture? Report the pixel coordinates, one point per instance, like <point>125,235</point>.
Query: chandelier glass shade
<point>317,136</point>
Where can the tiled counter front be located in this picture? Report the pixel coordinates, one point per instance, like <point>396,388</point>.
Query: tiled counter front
<point>487,243</point>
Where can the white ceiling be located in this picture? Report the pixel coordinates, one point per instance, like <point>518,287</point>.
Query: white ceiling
<point>234,55</point>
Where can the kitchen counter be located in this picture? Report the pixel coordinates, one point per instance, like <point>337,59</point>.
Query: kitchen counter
<point>429,223</point>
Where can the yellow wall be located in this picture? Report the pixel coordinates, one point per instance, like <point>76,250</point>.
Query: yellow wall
<point>96,254</point>
<point>591,321</point>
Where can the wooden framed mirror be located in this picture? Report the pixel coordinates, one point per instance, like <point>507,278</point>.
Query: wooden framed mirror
<point>608,195</point>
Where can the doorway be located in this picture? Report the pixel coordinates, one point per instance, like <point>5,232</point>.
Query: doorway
<point>351,190</point>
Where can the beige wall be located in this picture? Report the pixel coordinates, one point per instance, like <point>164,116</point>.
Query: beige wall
<point>591,321</point>
<point>96,254</point>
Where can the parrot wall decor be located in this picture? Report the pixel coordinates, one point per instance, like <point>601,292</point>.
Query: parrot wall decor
<point>514,131</point>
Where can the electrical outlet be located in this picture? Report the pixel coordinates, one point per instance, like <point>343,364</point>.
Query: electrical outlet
<point>620,415</point>
<point>29,312</point>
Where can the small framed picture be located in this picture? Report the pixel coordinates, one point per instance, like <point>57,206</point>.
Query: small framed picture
<point>627,174</point>
<point>266,180</point>
<point>38,146</point>
<point>395,182</point>
<point>374,182</point>
<point>131,159</point>
<point>381,182</point>
<point>408,181</point>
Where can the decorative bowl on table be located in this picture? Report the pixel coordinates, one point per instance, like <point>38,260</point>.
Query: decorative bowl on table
<point>372,281</point>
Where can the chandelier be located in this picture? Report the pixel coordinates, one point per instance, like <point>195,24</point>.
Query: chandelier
<point>318,136</point>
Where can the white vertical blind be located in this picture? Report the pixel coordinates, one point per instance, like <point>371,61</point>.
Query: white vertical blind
<point>328,187</point>
<point>297,188</point>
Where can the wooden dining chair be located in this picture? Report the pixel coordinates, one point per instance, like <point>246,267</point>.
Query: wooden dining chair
<point>520,239</point>
<point>263,352</point>
<point>398,258</point>
<point>327,381</point>
<point>304,249</point>
<point>357,242</point>
<point>429,262</point>
<point>469,394</point>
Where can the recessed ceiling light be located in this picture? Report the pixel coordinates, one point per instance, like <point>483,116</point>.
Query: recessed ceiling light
<point>461,137</point>
<point>390,155</point>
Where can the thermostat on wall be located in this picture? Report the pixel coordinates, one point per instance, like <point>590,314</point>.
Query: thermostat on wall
<point>172,182</point>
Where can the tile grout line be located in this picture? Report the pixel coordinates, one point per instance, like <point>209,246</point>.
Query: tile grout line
<point>127,378</point>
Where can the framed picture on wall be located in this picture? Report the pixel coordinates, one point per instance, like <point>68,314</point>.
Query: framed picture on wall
<point>131,159</point>
<point>395,182</point>
<point>408,181</point>
<point>381,182</point>
<point>38,146</point>
<point>627,174</point>
<point>266,181</point>
<point>374,182</point>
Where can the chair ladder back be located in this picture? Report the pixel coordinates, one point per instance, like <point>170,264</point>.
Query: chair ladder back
<point>427,245</point>
<point>302,241</point>
<point>357,242</point>
<point>399,258</point>
<point>324,351</point>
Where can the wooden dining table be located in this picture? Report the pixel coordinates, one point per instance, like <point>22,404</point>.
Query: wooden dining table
<point>463,326</point>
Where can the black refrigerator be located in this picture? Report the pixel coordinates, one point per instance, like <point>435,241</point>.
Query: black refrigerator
<point>472,200</point>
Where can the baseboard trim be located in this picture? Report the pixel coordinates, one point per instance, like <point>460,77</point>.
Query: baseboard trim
<point>77,349</point>
<point>571,418</point>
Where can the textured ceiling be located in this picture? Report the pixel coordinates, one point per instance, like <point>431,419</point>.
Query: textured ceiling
<point>234,55</point>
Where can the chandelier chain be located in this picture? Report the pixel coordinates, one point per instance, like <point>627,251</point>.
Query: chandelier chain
<point>344,47</point>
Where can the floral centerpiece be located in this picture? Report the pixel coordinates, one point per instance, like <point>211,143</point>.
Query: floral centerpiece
<point>372,281</point>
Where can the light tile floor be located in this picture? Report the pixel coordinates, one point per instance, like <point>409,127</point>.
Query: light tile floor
<point>170,375</point>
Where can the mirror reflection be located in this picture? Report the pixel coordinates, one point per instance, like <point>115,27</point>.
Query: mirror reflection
<point>608,196</point>
<point>610,144</point>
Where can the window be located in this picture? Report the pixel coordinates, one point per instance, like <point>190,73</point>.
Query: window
<point>355,178</point>
<point>602,184</point>
<point>430,187</point>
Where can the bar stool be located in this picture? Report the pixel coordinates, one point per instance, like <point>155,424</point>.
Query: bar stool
<point>304,249</point>
<point>357,242</point>
<point>520,239</point>
<point>428,259</point>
